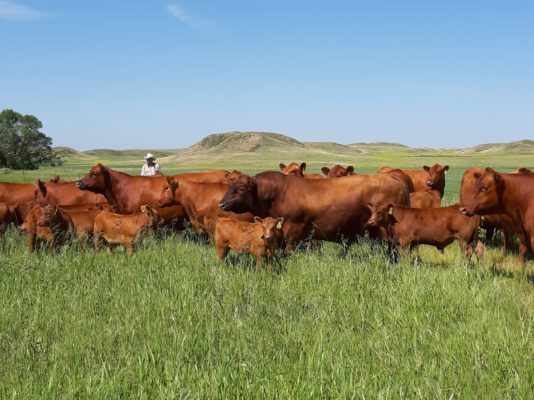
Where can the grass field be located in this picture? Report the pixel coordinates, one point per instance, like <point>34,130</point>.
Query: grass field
<point>169,322</point>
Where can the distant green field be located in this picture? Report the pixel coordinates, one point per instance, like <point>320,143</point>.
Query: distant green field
<point>169,322</point>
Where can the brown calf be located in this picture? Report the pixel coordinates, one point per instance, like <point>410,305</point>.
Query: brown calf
<point>436,227</point>
<point>260,238</point>
<point>124,229</point>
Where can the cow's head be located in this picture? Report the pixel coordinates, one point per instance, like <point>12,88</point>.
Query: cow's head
<point>240,197</point>
<point>380,214</point>
<point>338,171</point>
<point>49,216</point>
<point>522,170</point>
<point>272,229</point>
<point>95,180</point>
<point>481,192</point>
<point>293,169</point>
<point>168,193</point>
<point>436,176</point>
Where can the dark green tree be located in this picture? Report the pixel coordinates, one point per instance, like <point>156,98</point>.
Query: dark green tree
<point>22,144</point>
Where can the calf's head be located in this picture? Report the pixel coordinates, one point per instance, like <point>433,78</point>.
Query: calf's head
<point>49,216</point>
<point>272,229</point>
<point>481,192</point>
<point>436,176</point>
<point>337,171</point>
<point>240,197</point>
<point>380,214</point>
<point>95,180</point>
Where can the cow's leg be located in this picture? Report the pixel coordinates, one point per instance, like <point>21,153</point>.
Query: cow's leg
<point>96,238</point>
<point>221,252</point>
<point>505,237</point>
<point>522,251</point>
<point>490,232</point>
<point>129,247</point>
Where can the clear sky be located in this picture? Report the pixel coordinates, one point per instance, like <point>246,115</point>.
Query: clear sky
<point>163,74</point>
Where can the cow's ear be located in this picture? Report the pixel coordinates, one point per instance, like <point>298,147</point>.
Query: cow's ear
<point>282,166</point>
<point>251,183</point>
<point>257,219</point>
<point>302,168</point>
<point>446,168</point>
<point>350,170</point>
<point>426,168</point>
<point>280,222</point>
<point>42,187</point>
<point>325,170</point>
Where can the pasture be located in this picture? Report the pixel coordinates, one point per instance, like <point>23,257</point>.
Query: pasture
<point>169,322</point>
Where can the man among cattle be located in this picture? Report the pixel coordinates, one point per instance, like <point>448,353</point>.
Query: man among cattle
<point>150,168</point>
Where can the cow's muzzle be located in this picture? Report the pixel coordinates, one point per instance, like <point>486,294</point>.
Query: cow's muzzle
<point>430,183</point>
<point>80,185</point>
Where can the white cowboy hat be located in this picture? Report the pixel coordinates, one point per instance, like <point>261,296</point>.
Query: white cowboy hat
<point>149,155</point>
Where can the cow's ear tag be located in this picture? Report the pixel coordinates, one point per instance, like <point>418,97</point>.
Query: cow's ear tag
<point>390,211</point>
<point>446,171</point>
<point>279,225</point>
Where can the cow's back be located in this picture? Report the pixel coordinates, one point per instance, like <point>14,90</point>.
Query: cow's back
<point>15,193</point>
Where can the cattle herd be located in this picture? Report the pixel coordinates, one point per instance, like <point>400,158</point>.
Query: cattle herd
<point>258,214</point>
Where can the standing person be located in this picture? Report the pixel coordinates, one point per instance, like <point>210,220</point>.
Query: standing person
<point>150,168</point>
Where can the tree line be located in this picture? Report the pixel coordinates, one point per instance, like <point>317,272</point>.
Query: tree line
<point>22,144</point>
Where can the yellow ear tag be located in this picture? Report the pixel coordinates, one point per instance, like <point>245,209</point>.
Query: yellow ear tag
<point>390,212</point>
<point>279,225</point>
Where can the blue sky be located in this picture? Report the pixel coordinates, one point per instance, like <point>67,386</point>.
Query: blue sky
<point>163,74</point>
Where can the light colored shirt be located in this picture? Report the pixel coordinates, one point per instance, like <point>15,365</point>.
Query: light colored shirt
<point>150,171</point>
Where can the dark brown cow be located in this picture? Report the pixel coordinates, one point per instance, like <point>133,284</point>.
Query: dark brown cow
<point>66,194</point>
<point>124,229</point>
<point>425,199</point>
<point>436,227</point>
<point>324,209</point>
<point>260,238</point>
<point>427,178</point>
<point>489,192</point>
<point>337,171</point>
<point>15,193</point>
<point>297,170</point>
<point>127,193</point>
<point>522,170</point>
<point>7,216</point>
<point>200,202</point>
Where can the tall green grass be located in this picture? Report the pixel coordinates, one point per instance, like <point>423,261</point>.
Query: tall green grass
<point>169,322</point>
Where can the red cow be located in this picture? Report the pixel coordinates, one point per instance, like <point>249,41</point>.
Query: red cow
<point>200,202</point>
<point>428,178</point>
<point>485,191</point>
